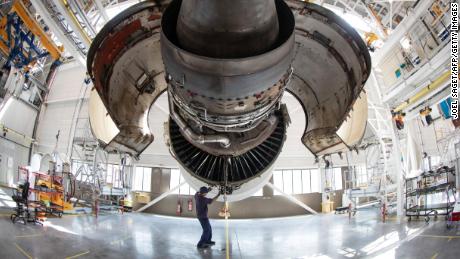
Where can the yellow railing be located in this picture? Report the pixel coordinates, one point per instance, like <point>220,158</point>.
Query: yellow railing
<point>426,90</point>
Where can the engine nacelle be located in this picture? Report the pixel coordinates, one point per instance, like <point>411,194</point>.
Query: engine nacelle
<point>225,66</point>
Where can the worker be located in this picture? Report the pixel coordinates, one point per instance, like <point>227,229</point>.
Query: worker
<point>398,117</point>
<point>201,203</point>
<point>370,39</point>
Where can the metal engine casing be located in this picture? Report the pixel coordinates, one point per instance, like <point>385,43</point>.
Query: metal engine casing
<point>226,110</point>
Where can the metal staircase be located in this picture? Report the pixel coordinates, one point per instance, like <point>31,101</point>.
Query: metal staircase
<point>381,163</point>
<point>90,161</point>
<point>446,140</point>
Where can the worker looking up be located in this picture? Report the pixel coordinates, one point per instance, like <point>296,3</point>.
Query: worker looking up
<point>201,203</point>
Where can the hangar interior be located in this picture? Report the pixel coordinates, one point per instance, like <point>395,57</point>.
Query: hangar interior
<point>327,127</point>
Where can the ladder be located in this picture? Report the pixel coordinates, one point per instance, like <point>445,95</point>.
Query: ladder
<point>92,162</point>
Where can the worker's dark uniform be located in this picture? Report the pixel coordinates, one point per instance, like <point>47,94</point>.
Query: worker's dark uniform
<point>201,203</point>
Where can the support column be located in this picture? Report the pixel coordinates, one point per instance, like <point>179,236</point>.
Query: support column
<point>101,9</point>
<point>324,195</point>
<point>399,173</point>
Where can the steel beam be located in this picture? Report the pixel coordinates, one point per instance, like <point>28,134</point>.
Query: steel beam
<point>350,8</point>
<point>33,26</point>
<point>403,27</point>
<point>72,21</point>
<point>70,47</point>
<point>83,15</point>
<point>101,9</point>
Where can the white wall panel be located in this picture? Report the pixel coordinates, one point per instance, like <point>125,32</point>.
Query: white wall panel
<point>60,107</point>
<point>18,116</point>
<point>67,83</point>
<point>56,117</point>
<point>11,156</point>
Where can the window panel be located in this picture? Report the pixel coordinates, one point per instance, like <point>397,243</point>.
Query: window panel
<point>142,178</point>
<point>306,187</point>
<point>138,175</point>
<point>114,179</point>
<point>300,181</point>
<point>175,180</point>
<point>315,180</point>
<point>287,181</point>
<point>337,178</point>
<point>361,175</point>
<point>278,181</point>
<point>184,189</point>
<point>147,179</point>
<point>116,176</point>
<point>297,181</point>
<point>109,174</point>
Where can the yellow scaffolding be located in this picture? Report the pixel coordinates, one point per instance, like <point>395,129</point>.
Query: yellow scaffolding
<point>19,8</point>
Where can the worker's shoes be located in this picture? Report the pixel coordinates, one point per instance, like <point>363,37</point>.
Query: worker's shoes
<point>211,243</point>
<point>202,246</point>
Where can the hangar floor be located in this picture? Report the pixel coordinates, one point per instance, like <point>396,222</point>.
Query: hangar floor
<point>150,236</point>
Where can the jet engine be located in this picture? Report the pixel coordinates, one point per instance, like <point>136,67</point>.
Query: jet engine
<point>225,66</point>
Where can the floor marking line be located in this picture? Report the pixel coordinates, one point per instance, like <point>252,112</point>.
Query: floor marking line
<point>433,236</point>
<point>227,245</point>
<point>434,256</point>
<point>77,255</point>
<point>448,240</point>
<point>22,251</point>
<point>32,235</point>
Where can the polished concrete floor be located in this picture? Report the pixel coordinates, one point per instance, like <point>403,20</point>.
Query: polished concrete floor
<point>149,236</point>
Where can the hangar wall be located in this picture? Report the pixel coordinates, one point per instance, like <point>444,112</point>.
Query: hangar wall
<point>17,121</point>
<point>265,206</point>
<point>60,107</point>
<point>12,155</point>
